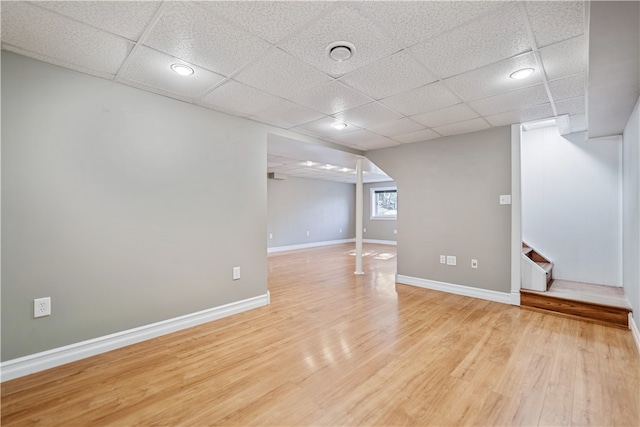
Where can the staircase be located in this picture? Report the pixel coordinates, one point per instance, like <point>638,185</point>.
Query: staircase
<point>596,303</point>
<point>536,270</point>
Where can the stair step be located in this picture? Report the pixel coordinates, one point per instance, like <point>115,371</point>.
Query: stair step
<point>597,303</point>
<point>527,250</point>
<point>546,266</point>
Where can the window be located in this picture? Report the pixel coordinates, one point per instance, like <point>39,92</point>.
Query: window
<point>384,203</point>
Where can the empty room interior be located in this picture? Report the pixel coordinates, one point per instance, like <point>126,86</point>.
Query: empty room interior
<point>419,213</point>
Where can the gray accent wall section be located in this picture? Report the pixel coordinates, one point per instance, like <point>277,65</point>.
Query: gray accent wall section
<point>125,207</point>
<point>631,212</point>
<point>448,204</point>
<point>298,205</point>
<point>377,229</point>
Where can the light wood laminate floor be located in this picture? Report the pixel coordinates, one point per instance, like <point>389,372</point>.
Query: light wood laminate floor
<point>338,349</point>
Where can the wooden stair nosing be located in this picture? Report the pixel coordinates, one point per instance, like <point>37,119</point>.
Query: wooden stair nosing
<point>610,315</point>
<point>546,266</point>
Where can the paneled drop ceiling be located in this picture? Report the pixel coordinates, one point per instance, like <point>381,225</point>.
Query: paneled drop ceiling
<point>420,70</point>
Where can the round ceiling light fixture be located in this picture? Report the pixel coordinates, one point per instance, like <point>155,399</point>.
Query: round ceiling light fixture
<point>183,70</point>
<point>341,51</point>
<point>339,125</point>
<point>522,74</point>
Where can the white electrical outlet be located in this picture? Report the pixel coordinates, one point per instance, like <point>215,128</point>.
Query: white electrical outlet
<point>443,259</point>
<point>341,231</point>
<point>42,307</point>
<point>365,230</point>
<point>474,263</point>
<point>307,232</point>
<point>270,236</point>
<point>395,231</point>
<point>505,199</point>
<point>451,260</point>
<point>236,273</point>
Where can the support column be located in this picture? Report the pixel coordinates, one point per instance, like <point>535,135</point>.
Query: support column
<point>359,217</point>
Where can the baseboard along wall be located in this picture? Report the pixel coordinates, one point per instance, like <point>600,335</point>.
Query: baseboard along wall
<point>501,297</point>
<point>37,362</point>
<point>308,245</point>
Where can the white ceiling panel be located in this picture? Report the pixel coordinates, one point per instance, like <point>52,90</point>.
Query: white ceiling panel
<point>389,76</point>
<point>553,21</point>
<point>61,38</point>
<point>520,116</point>
<point>571,106</point>
<point>189,32</point>
<point>362,138</point>
<point>463,127</point>
<point>368,115</point>
<point>124,18</point>
<point>457,113</point>
<point>332,98</point>
<point>396,127</point>
<point>243,99</point>
<point>481,42</point>
<point>564,58</point>
<point>279,73</point>
<point>344,23</point>
<point>511,101</point>
<point>421,100</point>
<point>270,20</point>
<point>287,114</point>
<point>324,128</point>
<point>152,68</point>
<point>494,79</point>
<point>415,21</point>
<point>568,87</point>
<point>421,135</point>
<point>378,144</point>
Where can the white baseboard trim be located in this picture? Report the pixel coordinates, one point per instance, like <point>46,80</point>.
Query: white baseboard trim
<point>515,298</point>
<point>59,356</point>
<point>634,331</point>
<point>502,297</point>
<point>308,245</point>
<point>381,242</point>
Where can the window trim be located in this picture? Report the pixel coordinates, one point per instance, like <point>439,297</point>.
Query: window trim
<point>372,204</point>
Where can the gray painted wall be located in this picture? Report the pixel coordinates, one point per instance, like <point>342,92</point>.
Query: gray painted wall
<point>298,205</point>
<point>377,229</point>
<point>116,204</point>
<point>631,212</point>
<point>449,205</point>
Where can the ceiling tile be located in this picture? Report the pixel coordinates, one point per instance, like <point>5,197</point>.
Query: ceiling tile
<point>189,32</point>
<point>389,76</point>
<point>368,115</point>
<point>521,116</point>
<point>494,79</point>
<point>376,145</point>
<point>568,87</point>
<point>462,127</point>
<point>571,106</point>
<point>396,127</point>
<point>287,114</point>
<point>124,18</point>
<point>359,138</point>
<point>270,20</point>
<point>426,98</point>
<point>564,58</point>
<point>280,73</point>
<point>553,21</point>
<point>421,135</point>
<point>457,113</point>
<point>152,68</point>
<point>511,101</point>
<point>324,128</point>
<point>61,38</point>
<point>578,122</point>
<point>481,42</point>
<point>332,98</point>
<point>414,21</point>
<point>241,98</point>
<point>345,23</point>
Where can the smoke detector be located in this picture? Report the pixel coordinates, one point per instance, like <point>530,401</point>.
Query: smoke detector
<point>341,51</point>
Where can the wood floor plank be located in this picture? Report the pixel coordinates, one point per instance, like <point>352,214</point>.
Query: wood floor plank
<point>333,348</point>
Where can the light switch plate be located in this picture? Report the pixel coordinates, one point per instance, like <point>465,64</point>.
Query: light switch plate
<point>505,199</point>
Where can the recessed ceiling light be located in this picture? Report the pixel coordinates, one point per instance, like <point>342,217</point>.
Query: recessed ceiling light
<point>341,51</point>
<point>308,163</point>
<point>339,125</point>
<point>522,74</point>
<point>183,70</point>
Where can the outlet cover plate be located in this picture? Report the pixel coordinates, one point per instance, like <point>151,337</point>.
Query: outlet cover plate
<point>42,307</point>
<point>236,273</point>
